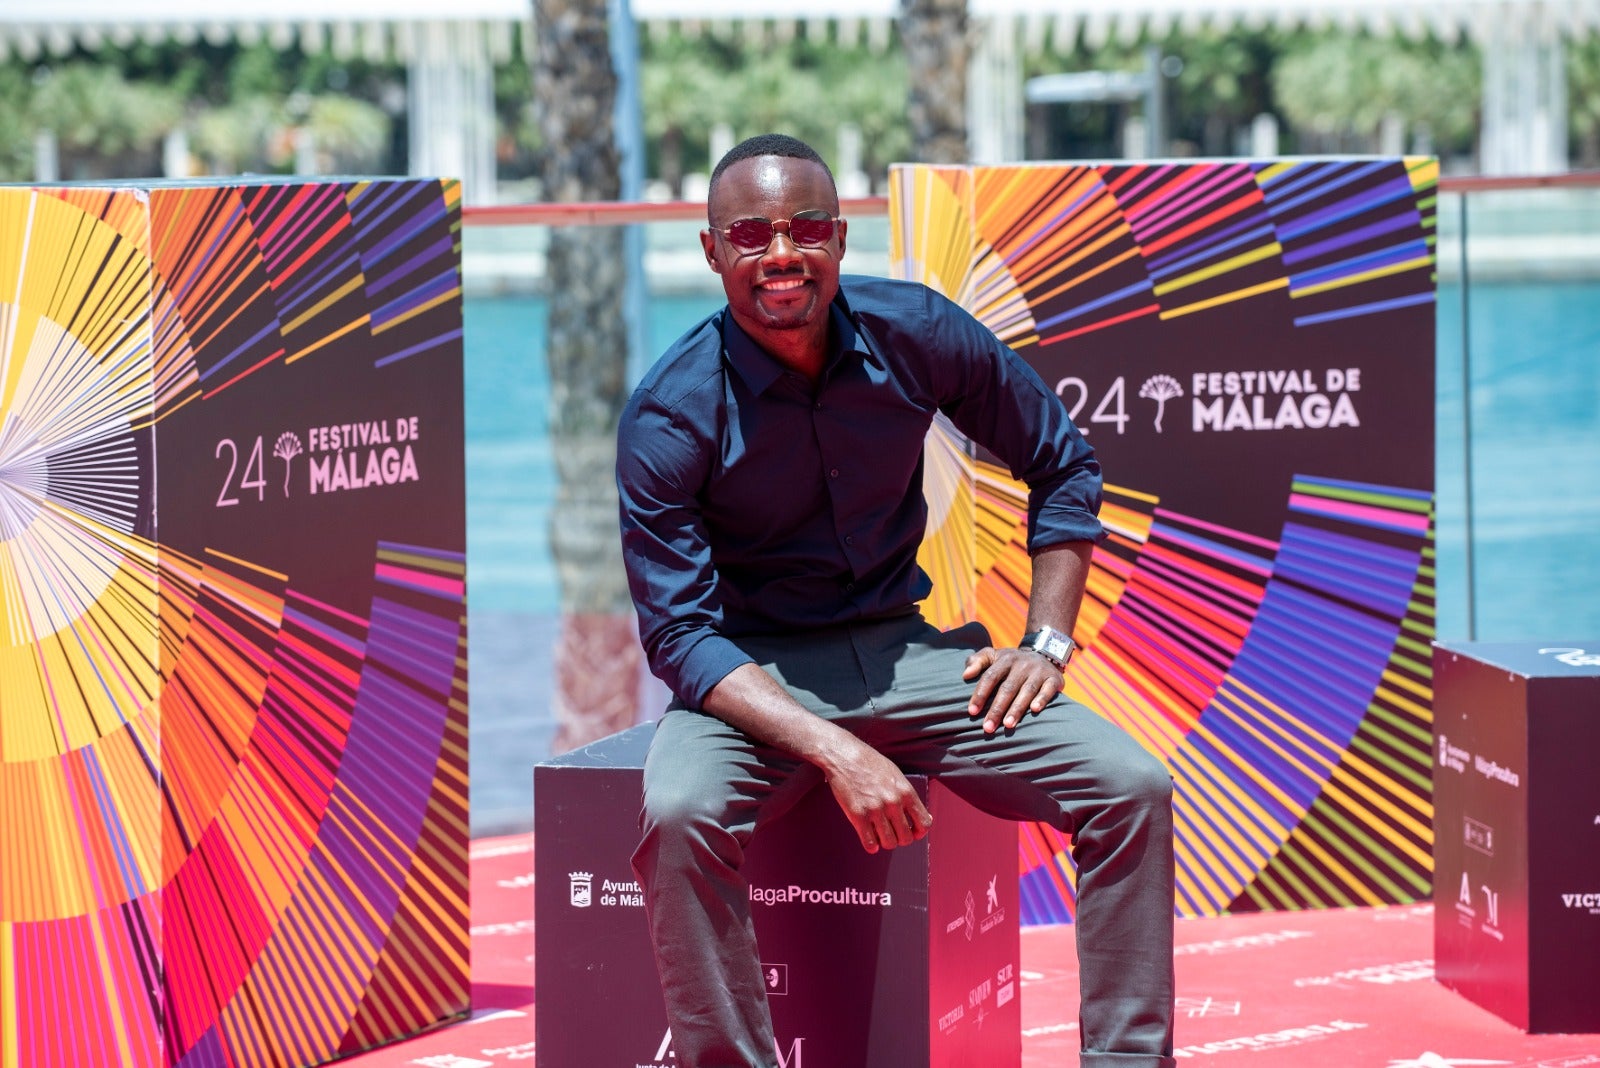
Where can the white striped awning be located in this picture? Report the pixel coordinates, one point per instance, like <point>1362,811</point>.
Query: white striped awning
<point>385,28</point>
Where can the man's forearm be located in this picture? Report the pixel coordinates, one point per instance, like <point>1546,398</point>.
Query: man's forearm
<point>753,701</point>
<point>873,793</point>
<point>1060,573</point>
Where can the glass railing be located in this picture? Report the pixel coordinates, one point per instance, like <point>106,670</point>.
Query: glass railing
<point>553,659</point>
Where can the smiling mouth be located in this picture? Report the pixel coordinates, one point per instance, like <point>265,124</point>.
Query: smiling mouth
<point>780,285</point>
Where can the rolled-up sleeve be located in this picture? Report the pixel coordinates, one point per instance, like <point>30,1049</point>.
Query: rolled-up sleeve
<point>667,553</point>
<point>993,396</point>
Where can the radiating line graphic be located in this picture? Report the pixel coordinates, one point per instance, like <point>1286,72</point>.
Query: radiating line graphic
<point>1281,672</point>
<point>1338,270</point>
<point>1072,255</point>
<point>232,776</point>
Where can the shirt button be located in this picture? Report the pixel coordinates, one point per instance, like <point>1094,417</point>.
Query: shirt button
<point>819,406</point>
<point>834,473</point>
<point>849,539</point>
<point>849,587</point>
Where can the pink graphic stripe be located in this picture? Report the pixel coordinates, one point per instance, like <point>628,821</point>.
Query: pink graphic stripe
<point>449,587</point>
<point>1360,513</point>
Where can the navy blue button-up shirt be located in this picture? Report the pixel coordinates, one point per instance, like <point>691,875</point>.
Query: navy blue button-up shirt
<point>755,503</point>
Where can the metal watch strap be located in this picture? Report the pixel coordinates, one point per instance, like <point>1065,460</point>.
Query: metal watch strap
<point>1051,644</point>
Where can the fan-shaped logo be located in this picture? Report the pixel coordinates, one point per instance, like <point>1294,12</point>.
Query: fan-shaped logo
<point>287,448</point>
<point>1160,388</point>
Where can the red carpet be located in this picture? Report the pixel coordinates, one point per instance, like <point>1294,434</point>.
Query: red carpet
<point>1335,989</point>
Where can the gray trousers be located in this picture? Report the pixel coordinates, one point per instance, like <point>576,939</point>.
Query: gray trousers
<point>897,685</point>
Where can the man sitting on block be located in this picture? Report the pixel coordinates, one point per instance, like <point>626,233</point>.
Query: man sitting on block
<point>770,467</point>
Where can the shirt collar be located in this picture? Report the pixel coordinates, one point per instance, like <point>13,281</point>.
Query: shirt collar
<point>760,370</point>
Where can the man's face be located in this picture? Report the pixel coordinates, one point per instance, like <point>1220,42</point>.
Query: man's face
<point>784,287</point>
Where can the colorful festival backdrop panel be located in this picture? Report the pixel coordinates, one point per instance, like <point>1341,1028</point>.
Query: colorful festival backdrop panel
<point>1250,348</point>
<point>233,710</point>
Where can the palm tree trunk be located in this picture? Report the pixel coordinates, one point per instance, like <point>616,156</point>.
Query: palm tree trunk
<point>597,655</point>
<point>672,160</point>
<point>938,51</point>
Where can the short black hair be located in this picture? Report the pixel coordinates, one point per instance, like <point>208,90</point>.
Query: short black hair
<point>767,144</point>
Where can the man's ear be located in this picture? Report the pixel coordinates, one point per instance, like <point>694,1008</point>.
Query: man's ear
<point>708,242</point>
<point>838,234</point>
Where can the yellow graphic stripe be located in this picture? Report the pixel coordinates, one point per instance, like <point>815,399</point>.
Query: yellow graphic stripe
<point>1365,276</point>
<point>1226,298</point>
<point>360,322</point>
<point>326,302</point>
<point>1232,263</point>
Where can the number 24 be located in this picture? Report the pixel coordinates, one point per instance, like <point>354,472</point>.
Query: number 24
<point>256,463</point>
<point>1103,412</point>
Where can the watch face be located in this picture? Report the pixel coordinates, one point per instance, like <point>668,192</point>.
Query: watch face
<point>1053,644</point>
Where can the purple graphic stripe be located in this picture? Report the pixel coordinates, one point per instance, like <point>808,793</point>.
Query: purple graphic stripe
<point>401,195</point>
<point>448,555</point>
<point>1404,220</point>
<point>436,286</point>
<point>1041,902</point>
<point>311,218</point>
<point>382,250</point>
<point>248,346</point>
<point>1213,249</point>
<point>314,281</point>
<point>1365,309</point>
<point>1136,289</point>
<point>331,635</point>
<point>1281,202</point>
<point>1215,528</point>
<point>1192,201</point>
<point>1132,196</point>
<point>414,644</point>
<point>1357,264</point>
<point>1200,248</point>
<point>1368,200</point>
<point>1208,547</point>
<point>1253,826</point>
<point>439,248</point>
<point>418,348</point>
<point>1378,577</point>
<point>112,822</point>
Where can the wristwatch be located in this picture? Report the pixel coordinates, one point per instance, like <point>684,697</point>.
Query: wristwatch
<point>1050,644</point>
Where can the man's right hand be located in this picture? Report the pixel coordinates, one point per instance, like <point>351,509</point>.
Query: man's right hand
<point>880,804</point>
<point>876,797</point>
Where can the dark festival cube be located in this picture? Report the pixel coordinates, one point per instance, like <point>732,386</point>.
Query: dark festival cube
<point>1517,829</point>
<point>904,958</point>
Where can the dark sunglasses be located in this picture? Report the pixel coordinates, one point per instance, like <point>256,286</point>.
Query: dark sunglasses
<point>808,229</point>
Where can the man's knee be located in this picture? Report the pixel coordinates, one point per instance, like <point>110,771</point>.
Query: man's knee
<point>677,807</point>
<point>1143,781</point>
<point>683,824</point>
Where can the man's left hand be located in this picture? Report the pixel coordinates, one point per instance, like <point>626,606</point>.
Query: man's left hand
<point>1010,684</point>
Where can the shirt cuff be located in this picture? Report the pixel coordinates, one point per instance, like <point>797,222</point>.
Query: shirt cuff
<point>707,663</point>
<point>1054,526</point>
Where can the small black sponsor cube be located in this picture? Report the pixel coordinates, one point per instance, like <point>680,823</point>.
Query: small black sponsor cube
<point>1517,829</point>
<point>904,958</point>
